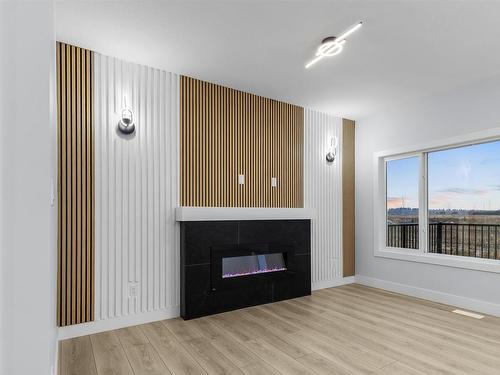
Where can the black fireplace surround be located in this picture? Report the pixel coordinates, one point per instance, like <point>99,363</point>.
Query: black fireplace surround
<point>274,264</point>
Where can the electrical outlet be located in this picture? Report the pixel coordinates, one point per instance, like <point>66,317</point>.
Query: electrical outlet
<point>274,182</point>
<point>133,291</point>
<point>241,179</point>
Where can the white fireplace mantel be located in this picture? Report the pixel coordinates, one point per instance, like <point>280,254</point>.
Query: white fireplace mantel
<point>241,213</point>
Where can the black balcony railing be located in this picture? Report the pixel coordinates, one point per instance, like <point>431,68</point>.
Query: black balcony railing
<point>472,240</point>
<point>402,235</point>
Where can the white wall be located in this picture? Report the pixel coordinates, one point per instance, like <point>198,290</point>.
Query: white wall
<point>323,192</point>
<point>136,191</point>
<point>28,158</point>
<point>464,110</point>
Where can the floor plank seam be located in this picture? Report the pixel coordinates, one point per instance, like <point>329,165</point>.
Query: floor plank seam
<point>155,349</point>
<point>389,364</point>
<point>93,355</point>
<point>246,346</point>
<point>126,355</point>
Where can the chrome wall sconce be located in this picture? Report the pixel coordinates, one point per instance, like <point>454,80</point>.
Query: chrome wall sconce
<point>332,153</point>
<point>126,124</point>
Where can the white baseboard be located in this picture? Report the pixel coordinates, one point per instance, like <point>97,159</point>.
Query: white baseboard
<point>432,295</point>
<point>333,283</point>
<point>116,323</point>
<point>84,329</point>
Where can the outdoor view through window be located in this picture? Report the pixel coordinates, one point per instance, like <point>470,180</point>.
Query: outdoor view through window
<point>463,201</point>
<point>402,203</point>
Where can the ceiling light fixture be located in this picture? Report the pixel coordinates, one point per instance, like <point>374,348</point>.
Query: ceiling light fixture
<point>332,46</point>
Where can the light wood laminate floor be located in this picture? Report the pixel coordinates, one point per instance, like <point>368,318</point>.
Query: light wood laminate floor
<point>346,330</point>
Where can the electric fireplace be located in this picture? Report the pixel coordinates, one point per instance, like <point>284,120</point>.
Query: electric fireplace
<point>226,265</point>
<point>234,264</point>
<point>246,265</point>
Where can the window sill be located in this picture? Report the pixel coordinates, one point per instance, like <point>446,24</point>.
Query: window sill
<point>456,261</point>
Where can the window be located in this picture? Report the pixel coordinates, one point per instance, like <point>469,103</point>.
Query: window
<point>440,205</point>
<point>464,201</point>
<point>402,202</point>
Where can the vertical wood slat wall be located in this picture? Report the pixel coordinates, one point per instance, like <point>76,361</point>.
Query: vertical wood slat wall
<point>75,280</point>
<point>348,168</point>
<point>224,133</point>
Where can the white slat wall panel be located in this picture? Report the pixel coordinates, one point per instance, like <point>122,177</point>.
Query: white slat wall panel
<point>136,190</point>
<point>323,191</point>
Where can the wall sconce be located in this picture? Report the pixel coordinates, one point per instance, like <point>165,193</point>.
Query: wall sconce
<point>126,124</point>
<point>332,153</point>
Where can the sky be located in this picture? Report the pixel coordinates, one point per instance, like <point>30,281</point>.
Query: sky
<point>459,178</point>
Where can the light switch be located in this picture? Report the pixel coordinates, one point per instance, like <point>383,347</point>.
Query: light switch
<point>274,181</point>
<point>241,179</point>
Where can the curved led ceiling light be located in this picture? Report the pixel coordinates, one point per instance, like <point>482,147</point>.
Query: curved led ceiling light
<point>332,46</point>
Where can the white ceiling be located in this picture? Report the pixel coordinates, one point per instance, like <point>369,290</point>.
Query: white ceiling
<point>404,51</point>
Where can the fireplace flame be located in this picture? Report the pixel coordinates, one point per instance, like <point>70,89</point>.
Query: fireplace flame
<point>253,272</point>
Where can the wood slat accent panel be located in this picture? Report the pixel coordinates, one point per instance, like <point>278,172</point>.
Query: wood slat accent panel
<point>75,281</point>
<point>348,168</point>
<point>224,133</point>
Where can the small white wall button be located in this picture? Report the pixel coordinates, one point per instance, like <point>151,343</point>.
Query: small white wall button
<point>241,179</point>
<point>52,193</point>
<point>274,182</point>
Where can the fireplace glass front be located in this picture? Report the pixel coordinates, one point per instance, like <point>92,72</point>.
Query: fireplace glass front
<point>236,266</point>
